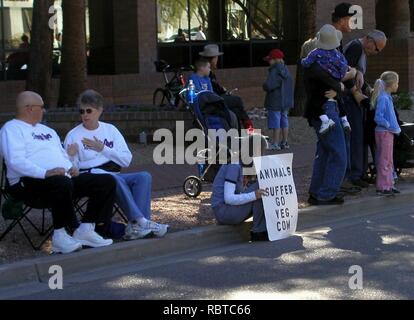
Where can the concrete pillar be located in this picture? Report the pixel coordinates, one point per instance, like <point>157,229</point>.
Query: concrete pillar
<point>147,35</point>
<point>126,47</point>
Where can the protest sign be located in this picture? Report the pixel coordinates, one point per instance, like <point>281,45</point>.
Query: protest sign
<point>275,175</point>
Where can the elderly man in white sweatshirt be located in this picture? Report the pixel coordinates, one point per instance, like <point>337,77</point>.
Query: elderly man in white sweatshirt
<point>99,147</point>
<point>39,167</point>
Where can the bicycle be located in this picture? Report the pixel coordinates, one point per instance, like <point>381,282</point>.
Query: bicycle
<point>169,95</point>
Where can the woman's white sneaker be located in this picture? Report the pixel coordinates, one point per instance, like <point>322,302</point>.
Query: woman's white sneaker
<point>134,231</point>
<point>159,230</point>
<point>86,235</point>
<point>64,243</point>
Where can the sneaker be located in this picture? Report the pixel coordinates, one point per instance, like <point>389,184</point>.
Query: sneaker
<point>64,243</point>
<point>396,191</point>
<point>360,183</point>
<point>284,146</point>
<point>334,202</point>
<point>134,231</point>
<point>347,127</point>
<point>159,230</point>
<point>259,236</point>
<point>385,193</point>
<point>86,235</point>
<point>327,126</point>
<point>274,147</point>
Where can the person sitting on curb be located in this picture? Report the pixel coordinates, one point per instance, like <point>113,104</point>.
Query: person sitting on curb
<point>39,168</point>
<point>98,148</point>
<point>236,197</point>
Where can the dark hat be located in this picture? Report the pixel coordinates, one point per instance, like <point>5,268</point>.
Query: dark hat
<point>343,10</point>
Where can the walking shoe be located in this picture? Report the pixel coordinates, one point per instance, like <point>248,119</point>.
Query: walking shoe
<point>360,183</point>
<point>64,243</point>
<point>134,231</point>
<point>86,235</point>
<point>259,236</point>
<point>159,230</point>
<point>385,193</point>
<point>348,188</point>
<point>334,202</point>
<point>274,147</point>
<point>347,127</point>
<point>396,191</point>
<point>312,200</point>
<point>327,126</point>
<point>284,146</point>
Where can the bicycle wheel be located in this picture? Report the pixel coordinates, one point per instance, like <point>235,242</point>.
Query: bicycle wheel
<point>161,98</point>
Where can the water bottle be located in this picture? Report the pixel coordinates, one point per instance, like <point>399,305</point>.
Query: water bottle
<point>191,92</point>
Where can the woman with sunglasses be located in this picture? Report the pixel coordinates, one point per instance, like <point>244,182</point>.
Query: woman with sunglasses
<point>99,147</point>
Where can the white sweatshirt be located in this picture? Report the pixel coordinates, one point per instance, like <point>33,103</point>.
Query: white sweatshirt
<point>116,149</point>
<point>30,151</point>
<point>233,199</point>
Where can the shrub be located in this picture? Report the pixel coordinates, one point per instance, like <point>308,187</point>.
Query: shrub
<point>403,101</point>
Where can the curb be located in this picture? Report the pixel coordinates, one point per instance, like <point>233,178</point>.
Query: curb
<point>37,270</point>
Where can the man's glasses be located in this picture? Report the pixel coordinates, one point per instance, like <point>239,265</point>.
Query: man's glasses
<point>85,111</point>
<point>375,44</point>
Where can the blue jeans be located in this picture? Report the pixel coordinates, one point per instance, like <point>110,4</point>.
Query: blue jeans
<point>234,215</point>
<point>355,114</point>
<point>331,158</point>
<point>278,119</point>
<point>133,194</point>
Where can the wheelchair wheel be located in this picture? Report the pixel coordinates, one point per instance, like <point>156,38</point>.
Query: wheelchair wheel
<point>193,187</point>
<point>161,98</point>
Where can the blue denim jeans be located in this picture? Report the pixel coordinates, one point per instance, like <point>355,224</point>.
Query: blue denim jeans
<point>331,157</point>
<point>355,114</point>
<point>133,194</point>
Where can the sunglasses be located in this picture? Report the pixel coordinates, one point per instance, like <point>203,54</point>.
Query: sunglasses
<point>83,111</point>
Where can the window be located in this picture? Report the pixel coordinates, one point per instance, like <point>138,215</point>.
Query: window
<point>15,28</point>
<point>246,30</point>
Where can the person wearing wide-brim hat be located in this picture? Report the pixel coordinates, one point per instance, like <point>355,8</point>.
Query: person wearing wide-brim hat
<point>212,53</point>
<point>323,91</point>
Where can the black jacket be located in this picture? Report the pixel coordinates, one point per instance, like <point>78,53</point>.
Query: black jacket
<point>317,82</point>
<point>217,88</point>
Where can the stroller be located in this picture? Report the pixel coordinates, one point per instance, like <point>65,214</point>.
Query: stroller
<point>209,112</point>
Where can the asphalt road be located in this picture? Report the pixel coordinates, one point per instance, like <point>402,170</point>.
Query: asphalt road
<point>312,265</point>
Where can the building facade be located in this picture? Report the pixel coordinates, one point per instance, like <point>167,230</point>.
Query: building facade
<point>126,37</point>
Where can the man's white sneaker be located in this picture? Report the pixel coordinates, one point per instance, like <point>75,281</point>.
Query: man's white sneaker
<point>64,243</point>
<point>86,235</point>
<point>159,230</point>
<point>326,126</point>
<point>134,231</point>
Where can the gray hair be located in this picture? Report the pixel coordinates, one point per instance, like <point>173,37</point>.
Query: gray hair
<point>91,98</point>
<point>377,35</point>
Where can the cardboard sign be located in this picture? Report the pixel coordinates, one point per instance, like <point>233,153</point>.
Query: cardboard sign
<point>275,175</point>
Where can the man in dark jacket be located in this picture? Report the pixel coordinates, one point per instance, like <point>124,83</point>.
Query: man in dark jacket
<point>357,53</point>
<point>234,103</point>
